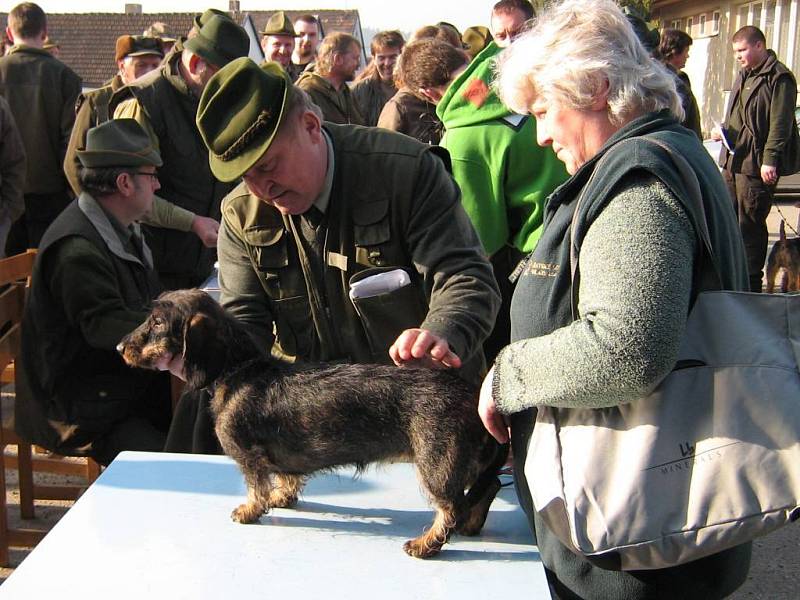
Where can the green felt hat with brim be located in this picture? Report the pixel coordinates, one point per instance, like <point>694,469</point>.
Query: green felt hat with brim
<point>118,143</point>
<point>279,24</point>
<point>219,41</point>
<point>239,113</point>
<point>203,18</point>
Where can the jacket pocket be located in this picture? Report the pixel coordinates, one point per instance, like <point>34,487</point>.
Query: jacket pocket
<point>270,257</point>
<point>294,327</point>
<point>371,229</point>
<point>387,315</point>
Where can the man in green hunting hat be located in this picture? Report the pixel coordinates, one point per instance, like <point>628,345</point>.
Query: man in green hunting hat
<point>364,202</point>
<point>278,40</point>
<point>323,207</point>
<point>92,284</point>
<point>165,102</point>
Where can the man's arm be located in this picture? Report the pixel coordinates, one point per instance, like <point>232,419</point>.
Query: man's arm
<point>458,278</point>
<point>781,121</point>
<point>240,289</point>
<point>12,167</point>
<point>77,140</point>
<point>95,306</point>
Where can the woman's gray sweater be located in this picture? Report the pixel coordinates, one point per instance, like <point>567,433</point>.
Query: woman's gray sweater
<point>633,299</point>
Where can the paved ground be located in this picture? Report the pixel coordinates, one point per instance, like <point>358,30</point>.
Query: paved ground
<point>776,558</point>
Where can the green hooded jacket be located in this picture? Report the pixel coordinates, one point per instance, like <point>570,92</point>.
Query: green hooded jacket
<point>504,175</point>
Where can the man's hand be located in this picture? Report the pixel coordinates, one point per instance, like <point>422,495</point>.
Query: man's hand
<point>206,229</point>
<point>494,422</point>
<point>769,175</point>
<point>420,347</point>
<point>716,134</point>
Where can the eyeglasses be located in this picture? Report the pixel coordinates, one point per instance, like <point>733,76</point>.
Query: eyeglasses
<point>153,175</point>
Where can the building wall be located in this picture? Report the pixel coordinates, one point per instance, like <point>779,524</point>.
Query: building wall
<point>711,66</point>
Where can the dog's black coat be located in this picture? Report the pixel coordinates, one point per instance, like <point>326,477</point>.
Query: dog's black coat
<point>282,422</point>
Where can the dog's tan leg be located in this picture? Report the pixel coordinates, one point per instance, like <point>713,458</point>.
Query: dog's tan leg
<point>479,509</point>
<point>431,542</point>
<point>258,492</point>
<point>285,490</point>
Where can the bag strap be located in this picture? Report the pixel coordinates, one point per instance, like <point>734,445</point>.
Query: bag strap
<point>694,207</point>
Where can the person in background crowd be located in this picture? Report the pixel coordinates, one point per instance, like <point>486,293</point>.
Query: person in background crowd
<point>446,34</point>
<point>424,71</point>
<point>375,85</point>
<point>161,30</point>
<point>475,39</point>
<point>278,40</point>
<point>93,283</point>
<point>338,57</point>
<point>52,47</point>
<point>599,99</point>
<point>41,92</point>
<point>761,132</point>
<point>503,174</point>
<point>12,173</point>
<point>508,19</point>
<point>309,34</point>
<point>164,102</point>
<point>134,56</point>
<point>674,51</point>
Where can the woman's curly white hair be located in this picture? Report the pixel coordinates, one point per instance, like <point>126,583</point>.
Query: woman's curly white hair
<point>572,52</point>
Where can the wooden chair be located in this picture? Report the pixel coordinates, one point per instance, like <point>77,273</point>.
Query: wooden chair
<point>14,278</point>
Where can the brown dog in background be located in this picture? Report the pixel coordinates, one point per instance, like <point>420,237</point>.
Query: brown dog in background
<point>785,256</point>
<point>282,423</point>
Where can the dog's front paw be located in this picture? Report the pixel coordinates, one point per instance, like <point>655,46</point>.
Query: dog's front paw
<point>419,548</point>
<point>247,513</point>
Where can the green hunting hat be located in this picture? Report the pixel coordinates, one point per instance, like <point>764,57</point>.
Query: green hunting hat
<point>476,39</point>
<point>203,18</point>
<point>219,41</point>
<point>118,143</point>
<point>279,24</point>
<point>239,112</point>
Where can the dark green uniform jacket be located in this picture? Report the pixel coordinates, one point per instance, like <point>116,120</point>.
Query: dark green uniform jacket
<point>393,205</point>
<point>371,95</point>
<point>90,111</point>
<point>186,179</point>
<point>768,134</point>
<point>337,106</point>
<point>41,91</point>
<point>87,292</point>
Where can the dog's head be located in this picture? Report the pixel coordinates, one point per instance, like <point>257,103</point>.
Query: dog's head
<point>182,335</point>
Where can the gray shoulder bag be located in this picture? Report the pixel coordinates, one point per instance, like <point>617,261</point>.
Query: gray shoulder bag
<point>709,460</point>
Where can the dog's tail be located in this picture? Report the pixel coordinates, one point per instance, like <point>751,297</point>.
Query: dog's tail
<point>782,231</point>
<point>489,475</point>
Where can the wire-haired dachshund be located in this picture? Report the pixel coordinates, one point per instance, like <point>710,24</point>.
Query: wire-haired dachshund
<point>785,256</point>
<point>282,423</point>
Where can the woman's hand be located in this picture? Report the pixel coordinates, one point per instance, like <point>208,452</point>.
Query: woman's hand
<point>495,423</point>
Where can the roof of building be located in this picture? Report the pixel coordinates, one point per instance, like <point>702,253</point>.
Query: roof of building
<point>87,40</point>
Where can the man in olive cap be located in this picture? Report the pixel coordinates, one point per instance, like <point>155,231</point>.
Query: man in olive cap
<point>278,40</point>
<point>93,282</point>
<point>134,56</point>
<point>321,207</point>
<point>165,102</point>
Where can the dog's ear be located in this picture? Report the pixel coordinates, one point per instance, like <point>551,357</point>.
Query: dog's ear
<point>202,360</point>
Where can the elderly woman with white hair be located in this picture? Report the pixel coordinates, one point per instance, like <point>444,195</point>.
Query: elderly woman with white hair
<point>601,101</point>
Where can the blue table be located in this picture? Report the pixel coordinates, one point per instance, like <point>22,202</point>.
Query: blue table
<point>158,526</point>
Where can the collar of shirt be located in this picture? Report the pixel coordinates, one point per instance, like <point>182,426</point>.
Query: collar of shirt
<point>324,198</point>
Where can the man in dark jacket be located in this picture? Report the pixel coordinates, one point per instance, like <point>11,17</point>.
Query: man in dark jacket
<point>12,172</point>
<point>41,91</point>
<point>338,58</point>
<point>761,141</point>
<point>92,284</point>
<point>297,245</point>
<point>164,102</point>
